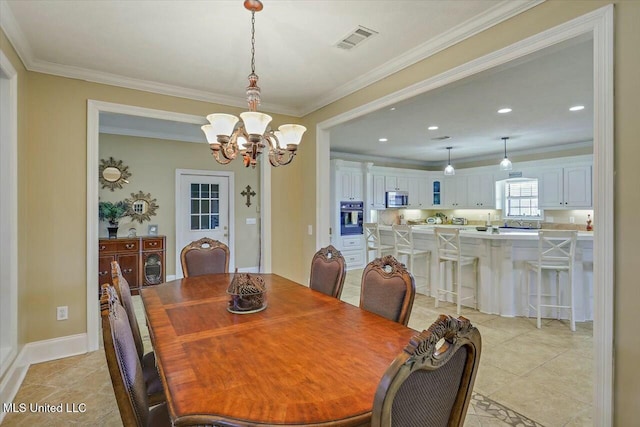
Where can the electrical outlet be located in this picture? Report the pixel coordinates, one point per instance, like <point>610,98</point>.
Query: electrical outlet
<point>549,219</point>
<point>62,312</point>
<point>572,220</point>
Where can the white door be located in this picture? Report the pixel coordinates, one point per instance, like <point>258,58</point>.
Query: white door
<point>202,210</point>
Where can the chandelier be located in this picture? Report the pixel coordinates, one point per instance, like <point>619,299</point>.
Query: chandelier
<point>248,135</point>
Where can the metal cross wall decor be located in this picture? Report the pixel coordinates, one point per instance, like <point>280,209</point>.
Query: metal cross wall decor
<point>248,193</point>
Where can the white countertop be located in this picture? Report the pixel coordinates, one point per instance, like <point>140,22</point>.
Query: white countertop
<point>504,234</point>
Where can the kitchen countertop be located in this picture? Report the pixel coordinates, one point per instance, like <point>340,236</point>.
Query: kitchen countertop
<point>505,234</point>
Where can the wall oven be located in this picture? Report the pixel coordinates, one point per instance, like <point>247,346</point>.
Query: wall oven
<point>351,218</point>
<point>397,199</point>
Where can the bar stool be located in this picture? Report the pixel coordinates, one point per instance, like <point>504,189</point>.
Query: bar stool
<point>403,238</point>
<point>372,240</point>
<point>449,249</point>
<point>556,252</point>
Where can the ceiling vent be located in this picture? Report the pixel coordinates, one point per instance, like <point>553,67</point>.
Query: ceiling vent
<point>441,138</point>
<point>356,37</point>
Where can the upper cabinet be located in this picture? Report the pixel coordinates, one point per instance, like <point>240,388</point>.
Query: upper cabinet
<point>350,184</point>
<point>396,183</point>
<point>481,191</point>
<point>455,196</point>
<point>378,193</point>
<point>434,193</point>
<point>568,187</point>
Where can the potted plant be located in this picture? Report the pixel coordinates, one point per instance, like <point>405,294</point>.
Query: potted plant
<point>112,212</point>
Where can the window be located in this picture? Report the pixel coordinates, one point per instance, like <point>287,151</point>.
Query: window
<point>205,206</point>
<point>521,198</point>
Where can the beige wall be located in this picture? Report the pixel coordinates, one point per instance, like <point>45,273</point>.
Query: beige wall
<point>153,163</point>
<point>627,153</point>
<point>53,199</point>
<point>52,158</point>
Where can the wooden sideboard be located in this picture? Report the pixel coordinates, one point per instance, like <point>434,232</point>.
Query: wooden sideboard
<point>141,259</point>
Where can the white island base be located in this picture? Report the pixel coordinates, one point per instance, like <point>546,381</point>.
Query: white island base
<point>502,272</point>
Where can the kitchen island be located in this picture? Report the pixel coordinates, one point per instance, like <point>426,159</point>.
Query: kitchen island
<point>502,272</point>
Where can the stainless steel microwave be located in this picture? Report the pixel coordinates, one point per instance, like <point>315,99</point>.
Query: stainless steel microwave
<point>397,199</point>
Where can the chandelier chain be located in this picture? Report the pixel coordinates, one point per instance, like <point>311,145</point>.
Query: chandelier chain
<point>253,42</point>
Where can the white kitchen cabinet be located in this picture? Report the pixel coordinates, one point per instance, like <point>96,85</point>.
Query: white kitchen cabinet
<point>350,185</point>
<point>417,188</point>
<point>568,187</point>
<point>435,193</point>
<point>481,191</point>
<point>455,196</point>
<point>378,194</point>
<point>396,183</point>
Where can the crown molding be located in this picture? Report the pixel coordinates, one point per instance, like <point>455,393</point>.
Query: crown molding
<point>488,19</point>
<point>491,17</point>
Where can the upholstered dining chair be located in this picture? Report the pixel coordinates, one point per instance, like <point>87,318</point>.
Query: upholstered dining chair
<point>124,366</point>
<point>155,392</point>
<point>328,270</point>
<point>430,382</point>
<point>204,256</point>
<point>388,289</point>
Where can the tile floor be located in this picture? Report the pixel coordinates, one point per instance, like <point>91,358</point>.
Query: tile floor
<point>527,377</point>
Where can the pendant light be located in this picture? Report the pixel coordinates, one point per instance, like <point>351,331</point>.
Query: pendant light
<point>449,170</point>
<point>505,164</point>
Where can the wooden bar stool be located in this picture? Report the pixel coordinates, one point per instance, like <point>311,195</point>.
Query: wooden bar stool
<point>403,237</point>
<point>372,240</point>
<point>556,252</point>
<point>449,250</point>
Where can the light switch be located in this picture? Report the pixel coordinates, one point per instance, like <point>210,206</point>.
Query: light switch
<point>310,230</point>
<point>251,221</point>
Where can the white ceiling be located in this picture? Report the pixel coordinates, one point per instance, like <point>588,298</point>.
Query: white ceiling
<point>201,49</point>
<point>539,88</point>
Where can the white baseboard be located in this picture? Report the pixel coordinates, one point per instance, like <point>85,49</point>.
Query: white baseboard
<point>56,348</point>
<point>170,278</point>
<point>38,352</point>
<point>255,269</point>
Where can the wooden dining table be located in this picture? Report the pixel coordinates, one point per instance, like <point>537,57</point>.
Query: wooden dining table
<point>306,360</point>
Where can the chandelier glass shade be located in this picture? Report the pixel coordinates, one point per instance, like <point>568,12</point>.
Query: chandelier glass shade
<point>248,135</point>
<point>449,170</point>
<point>505,164</point>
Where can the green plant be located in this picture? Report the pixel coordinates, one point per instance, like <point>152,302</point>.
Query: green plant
<point>112,211</point>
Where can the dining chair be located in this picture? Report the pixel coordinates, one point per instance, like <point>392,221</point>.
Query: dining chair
<point>404,245</point>
<point>372,240</point>
<point>556,252</point>
<point>150,374</point>
<point>204,256</point>
<point>388,289</point>
<point>430,383</point>
<point>328,271</point>
<point>449,250</point>
<point>124,366</point>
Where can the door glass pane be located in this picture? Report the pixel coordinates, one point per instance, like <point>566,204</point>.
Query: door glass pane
<point>205,206</point>
<point>204,191</point>
<point>195,222</point>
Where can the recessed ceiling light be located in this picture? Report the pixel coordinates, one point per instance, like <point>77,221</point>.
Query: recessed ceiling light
<point>577,108</point>
<point>383,140</point>
<point>432,127</point>
<point>392,108</point>
<point>504,110</point>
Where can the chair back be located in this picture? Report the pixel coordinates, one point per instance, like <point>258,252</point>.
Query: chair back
<point>122,360</point>
<point>431,381</point>
<point>388,289</point>
<point>123,291</point>
<point>556,248</point>
<point>328,271</point>
<point>371,235</point>
<point>204,256</point>
<point>403,237</point>
<point>448,243</point>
